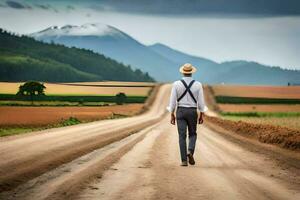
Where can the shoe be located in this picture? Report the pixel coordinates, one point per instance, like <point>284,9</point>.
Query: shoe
<point>184,164</point>
<point>191,159</point>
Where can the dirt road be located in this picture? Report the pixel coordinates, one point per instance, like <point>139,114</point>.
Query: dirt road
<point>104,160</point>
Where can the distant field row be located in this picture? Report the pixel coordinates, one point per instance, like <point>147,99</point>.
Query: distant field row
<point>87,88</point>
<point>254,100</point>
<point>259,107</point>
<point>262,92</point>
<point>108,99</point>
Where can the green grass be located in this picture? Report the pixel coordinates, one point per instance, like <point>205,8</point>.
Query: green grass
<point>16,130</point>
<point>254,100</point>
<point>260,114</point>
<point>71,121</point>
<point>6,131</point>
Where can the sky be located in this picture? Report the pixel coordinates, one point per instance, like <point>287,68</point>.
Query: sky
<point>234,30</point>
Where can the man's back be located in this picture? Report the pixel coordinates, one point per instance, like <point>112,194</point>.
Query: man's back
<point>179,88</point>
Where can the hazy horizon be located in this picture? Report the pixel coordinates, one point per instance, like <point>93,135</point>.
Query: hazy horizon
<point>272,40</point>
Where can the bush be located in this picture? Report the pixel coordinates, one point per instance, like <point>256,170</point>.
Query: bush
<point>121,98</point>
<point>70,121</point>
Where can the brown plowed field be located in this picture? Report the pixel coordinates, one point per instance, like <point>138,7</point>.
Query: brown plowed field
<point>36,116</point>
<point>259,108</point>
<point>281,92</point>
<point>266,133</point>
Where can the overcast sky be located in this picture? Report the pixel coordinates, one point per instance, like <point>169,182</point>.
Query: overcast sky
<point>239,29</point>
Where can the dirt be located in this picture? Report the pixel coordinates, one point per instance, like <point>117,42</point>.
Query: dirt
<point>265,133</point>
<point>285,92</point>
<point>19,116</point>
<point>259,108</point>
<point>289,122</point>
<point>81,162</point>
<point>224,170</point>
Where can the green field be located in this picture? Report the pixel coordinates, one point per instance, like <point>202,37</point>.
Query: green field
<point>254,100</point>
<point>79,99</point>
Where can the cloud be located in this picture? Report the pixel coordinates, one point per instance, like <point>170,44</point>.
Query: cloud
<point>17,5</point>
<point>199,7</point>
<point>44,7</point>
<point>69,7</point>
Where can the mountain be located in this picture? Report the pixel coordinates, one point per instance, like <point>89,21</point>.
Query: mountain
<point>23,58</point>
<point>206,69</point>
<point>160,61</point>
<point>234,72</point>
<point>113,43</point>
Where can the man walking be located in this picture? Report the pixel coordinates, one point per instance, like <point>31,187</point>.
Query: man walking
<point>188,95</point>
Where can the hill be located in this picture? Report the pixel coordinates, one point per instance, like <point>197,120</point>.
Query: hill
<point>233,72</point>
<point>113,43</point>
<point>23,58</point>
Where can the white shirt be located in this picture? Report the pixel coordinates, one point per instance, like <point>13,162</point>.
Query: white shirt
<point>187,101</point>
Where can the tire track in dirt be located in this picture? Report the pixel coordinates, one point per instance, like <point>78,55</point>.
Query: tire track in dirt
<point>224,170</point>
<point>65,181</point>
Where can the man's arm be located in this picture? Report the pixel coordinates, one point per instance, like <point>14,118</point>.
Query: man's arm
<point>201,105</point>
<point>172,104</point>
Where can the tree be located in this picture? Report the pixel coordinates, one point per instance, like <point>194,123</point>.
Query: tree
<point>121,98</point>
<point>32,88</point>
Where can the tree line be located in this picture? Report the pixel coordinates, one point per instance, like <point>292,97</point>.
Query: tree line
<point>24,58</point>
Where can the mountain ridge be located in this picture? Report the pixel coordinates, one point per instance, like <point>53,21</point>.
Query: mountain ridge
<point>162,62</point>
<point>23,58</point>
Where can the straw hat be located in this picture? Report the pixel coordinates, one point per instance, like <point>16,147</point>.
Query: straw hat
<point>187,69</point>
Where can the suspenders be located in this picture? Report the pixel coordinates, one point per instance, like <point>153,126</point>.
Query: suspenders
<point>187,90</point>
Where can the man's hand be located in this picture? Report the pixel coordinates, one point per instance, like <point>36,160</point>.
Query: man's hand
<point>173,118</point>
<point>200,121</point>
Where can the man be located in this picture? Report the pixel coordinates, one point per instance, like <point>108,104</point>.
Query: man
<point>188,94</point>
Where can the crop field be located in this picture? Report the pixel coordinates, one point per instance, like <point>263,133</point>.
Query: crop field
<point>267,105</point>
<point>19,116</point>
<point>87,88</point>
<point>273,92</point>
<point>259,108</point>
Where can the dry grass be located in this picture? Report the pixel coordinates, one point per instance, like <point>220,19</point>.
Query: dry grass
<point>58,89</point>
<point>39,116</point>
<point>116,83</point>
<point>259,108</point>
<point>288,122</point>
<point>282,92</point>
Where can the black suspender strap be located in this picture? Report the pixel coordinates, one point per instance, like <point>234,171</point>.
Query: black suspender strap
<point>187,90</point>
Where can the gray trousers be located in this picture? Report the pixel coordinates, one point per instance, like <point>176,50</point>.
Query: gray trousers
<point>186,119</point>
